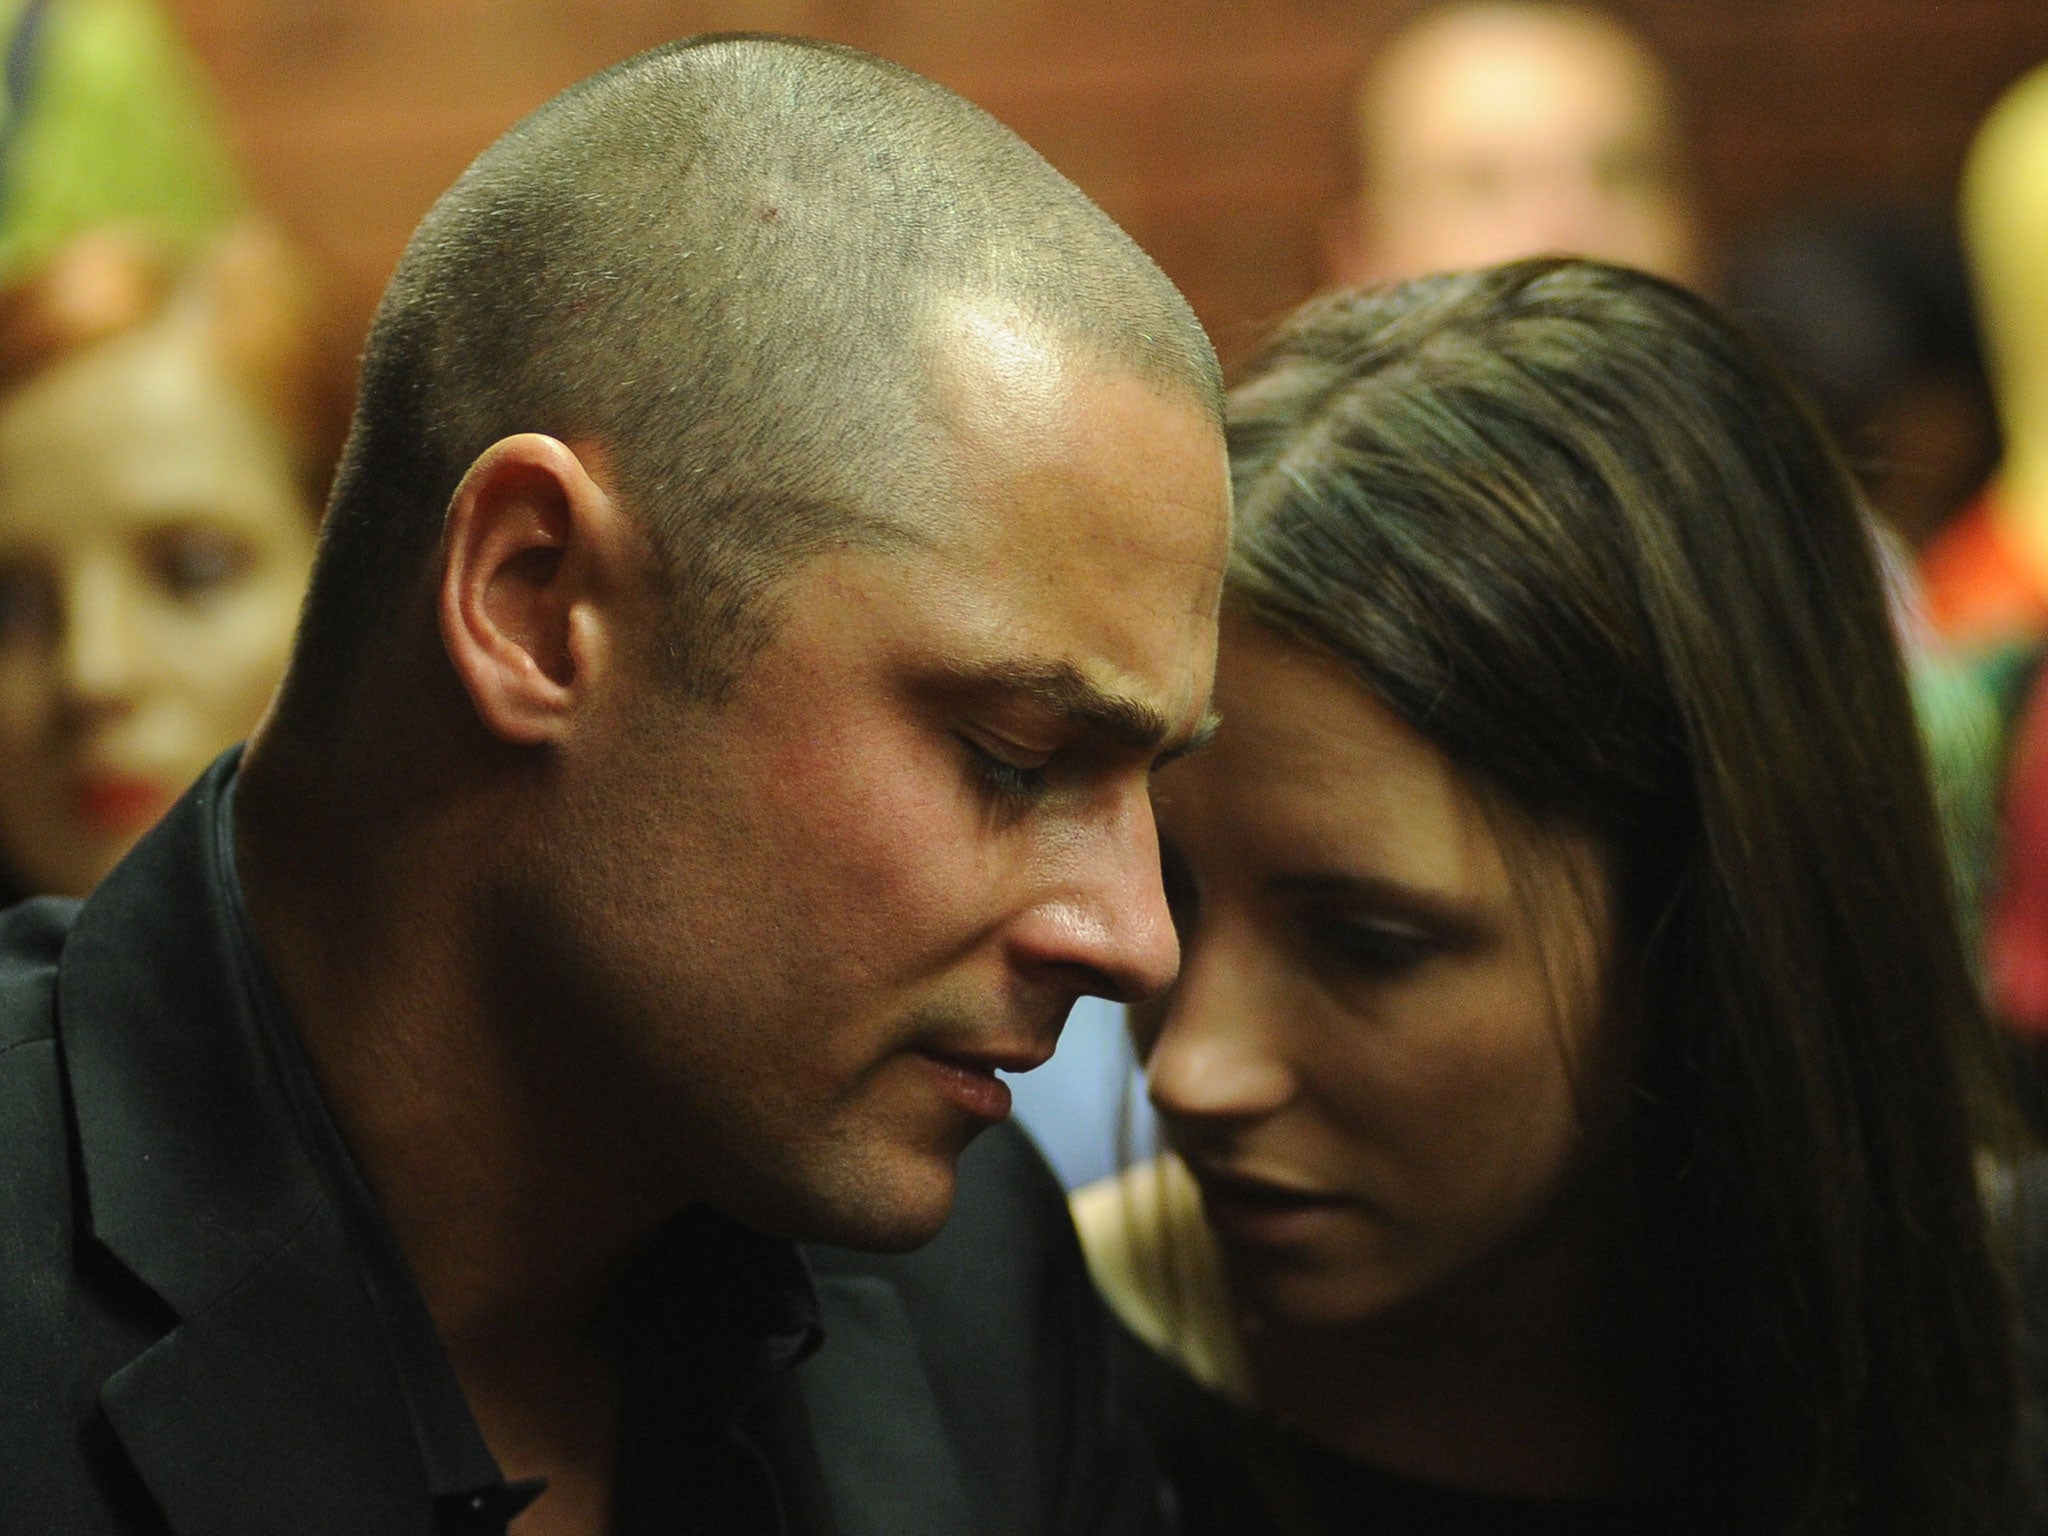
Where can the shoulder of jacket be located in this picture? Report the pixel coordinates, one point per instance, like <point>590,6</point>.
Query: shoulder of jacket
<point>31,942</point>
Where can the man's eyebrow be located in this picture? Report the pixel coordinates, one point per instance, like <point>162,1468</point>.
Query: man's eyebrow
<point>1060,688</point>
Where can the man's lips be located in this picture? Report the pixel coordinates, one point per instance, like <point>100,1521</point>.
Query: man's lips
<point>967,1073</point>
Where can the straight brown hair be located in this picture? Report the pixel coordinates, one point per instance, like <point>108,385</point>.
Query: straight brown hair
<point>1573,528</point>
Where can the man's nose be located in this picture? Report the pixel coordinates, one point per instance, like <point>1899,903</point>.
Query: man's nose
<point>1107,925</point>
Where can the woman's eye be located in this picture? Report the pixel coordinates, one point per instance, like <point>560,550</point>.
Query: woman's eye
<point>192,562</point>
<point>1370,948</point>
<point>1003,777</point>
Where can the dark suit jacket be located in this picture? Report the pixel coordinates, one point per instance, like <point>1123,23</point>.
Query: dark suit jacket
<point>187,1345</point>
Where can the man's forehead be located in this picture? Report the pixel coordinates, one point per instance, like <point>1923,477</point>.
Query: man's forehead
<point>991,364</point>
<point>1046,466</point>
<point>977,341</point>
<point>1072,543</point>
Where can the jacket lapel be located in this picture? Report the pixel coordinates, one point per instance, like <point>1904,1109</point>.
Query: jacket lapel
<point>275,1387</point>
<point>887,1463</point>
<point>253,1417</point>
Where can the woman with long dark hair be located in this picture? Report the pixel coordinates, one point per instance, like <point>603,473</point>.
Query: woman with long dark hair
<point>1575,1081</point>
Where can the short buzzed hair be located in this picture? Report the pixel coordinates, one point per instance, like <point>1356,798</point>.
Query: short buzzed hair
<point>716,264</point>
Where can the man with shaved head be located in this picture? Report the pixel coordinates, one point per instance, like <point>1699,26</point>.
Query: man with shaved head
<point>781,530</point>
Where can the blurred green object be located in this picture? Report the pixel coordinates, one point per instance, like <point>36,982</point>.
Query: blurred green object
<point>1968,703</point>
<point>117,125</point>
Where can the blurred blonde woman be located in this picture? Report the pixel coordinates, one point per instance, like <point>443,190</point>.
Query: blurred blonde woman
<point>163,451</point>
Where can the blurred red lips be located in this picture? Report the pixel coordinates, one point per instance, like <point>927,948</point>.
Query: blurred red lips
<point>117,804</point>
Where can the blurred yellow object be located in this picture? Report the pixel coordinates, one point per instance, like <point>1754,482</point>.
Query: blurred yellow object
<point>2005,233</point>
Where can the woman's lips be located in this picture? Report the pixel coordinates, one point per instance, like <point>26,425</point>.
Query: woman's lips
<point>1261,1213</point>
<point>117,804</point>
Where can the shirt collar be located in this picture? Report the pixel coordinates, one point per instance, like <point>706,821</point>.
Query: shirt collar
<point>712,1303</point>
<point>461,1472</point>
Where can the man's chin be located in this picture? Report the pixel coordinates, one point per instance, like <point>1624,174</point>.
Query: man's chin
<point>883,1210</point>
<point>903,1238</point>
<point>895,1226</point>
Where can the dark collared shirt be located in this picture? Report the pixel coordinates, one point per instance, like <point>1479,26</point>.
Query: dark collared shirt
<point>704,1321</point>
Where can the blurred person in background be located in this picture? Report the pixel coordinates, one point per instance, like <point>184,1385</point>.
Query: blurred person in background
<point>160,477</point>
<point>1490,129</point>
<point>1986,582</point>
<point>1574,1076</point>
<point>164,438</point>
<point>1869,309</point>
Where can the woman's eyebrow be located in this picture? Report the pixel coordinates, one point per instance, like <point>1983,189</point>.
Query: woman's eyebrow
<point>1456,919</point>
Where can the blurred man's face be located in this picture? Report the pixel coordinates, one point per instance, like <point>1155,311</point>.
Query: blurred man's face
<point>1491,134</point>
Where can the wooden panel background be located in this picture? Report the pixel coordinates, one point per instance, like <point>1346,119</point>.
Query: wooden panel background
<point>1213,129</point>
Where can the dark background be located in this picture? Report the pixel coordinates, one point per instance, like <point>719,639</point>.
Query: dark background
<point>1213,130</point>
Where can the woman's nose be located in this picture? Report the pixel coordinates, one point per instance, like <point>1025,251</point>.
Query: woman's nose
<point>99,650</point>
<point>1216,1054</point>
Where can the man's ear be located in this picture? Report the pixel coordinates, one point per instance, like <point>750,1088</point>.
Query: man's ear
<point>530,585</point>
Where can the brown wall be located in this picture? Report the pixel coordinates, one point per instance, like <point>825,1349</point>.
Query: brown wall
<point>1213,129</point>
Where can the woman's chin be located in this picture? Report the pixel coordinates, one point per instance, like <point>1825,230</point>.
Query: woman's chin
<point>1298,1291</point>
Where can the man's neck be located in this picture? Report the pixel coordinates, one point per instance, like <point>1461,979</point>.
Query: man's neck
<point>552,1413</point>
<point>514,1223</point>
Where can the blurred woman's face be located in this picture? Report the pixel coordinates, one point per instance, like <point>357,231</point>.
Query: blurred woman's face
<point>1382,1054</point>
<point>153,550</point>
